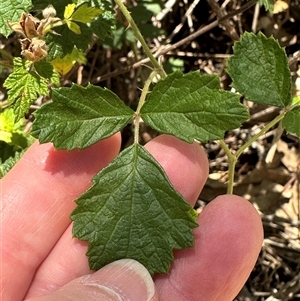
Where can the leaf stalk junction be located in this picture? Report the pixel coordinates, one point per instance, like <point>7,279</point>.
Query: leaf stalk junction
<point>233,158</point>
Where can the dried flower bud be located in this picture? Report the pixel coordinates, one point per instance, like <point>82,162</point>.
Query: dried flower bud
<point>30,26</point>
<point>16,26</point>
<point>34,50</point>
<point>49,12</point>
<point>27,26</point>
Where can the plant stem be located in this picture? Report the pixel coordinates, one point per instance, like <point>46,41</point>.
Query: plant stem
<point>232,158</point>
<point>141,102</point>
<point>263,131</point>
<point>139,36</point>
<point>52,25</point>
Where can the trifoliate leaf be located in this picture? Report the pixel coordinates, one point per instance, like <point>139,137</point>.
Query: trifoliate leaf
<point>259,70</point>
<point>291,121</point>
<point>86,14</point>
<point>191,106</point>
<point>11,11</point>
<point>65,64</point>
<point>78,117</point>
<point>268,4</point>
<point>132,211</point>
<point>24,87</point>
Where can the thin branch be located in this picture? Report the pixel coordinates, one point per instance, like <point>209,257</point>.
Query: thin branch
<point>165,49</point>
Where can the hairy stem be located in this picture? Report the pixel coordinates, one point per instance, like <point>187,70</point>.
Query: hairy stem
<point>231,163</point>
<point>263,131</point>
<point>141,102</point>
<point>232,158</point>
<point>139,36</point>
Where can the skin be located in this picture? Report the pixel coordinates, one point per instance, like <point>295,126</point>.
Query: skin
<point>40,258</point>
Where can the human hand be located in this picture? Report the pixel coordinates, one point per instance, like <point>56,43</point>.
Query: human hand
<point>39,256</point>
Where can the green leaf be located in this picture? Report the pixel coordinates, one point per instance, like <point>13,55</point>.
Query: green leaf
<point>11,153</point>
<point>79,117</point>
<point>291,121</point>
<point>259,70</point>
<point>8,164</point>
<point>8,126</point>
<point>104,24</point>
<point>11,11</point>
<point>7,121</point>
<point>69,10</point>
<point>24,87</point>
<point>132,211</point>
<point>73,27</point>
<point>62,42</point>
<point>295,99</point>
<point>65,64</point>
<point>191,106</point>
<point>47,71</point>
<point>268,4</point>
<point>86,14</point>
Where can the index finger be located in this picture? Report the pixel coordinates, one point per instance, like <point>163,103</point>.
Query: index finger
<point>33,221</point>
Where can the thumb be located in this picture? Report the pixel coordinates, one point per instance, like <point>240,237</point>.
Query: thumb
<point>125,279</point>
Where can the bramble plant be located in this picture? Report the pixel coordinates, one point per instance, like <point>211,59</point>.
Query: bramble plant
<point>132,210</point>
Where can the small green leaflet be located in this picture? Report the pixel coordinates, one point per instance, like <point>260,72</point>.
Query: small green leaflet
<point>132,211</point>
<point>24,87</point>
<point>191,106</point>
<point>78,117</point>
<point>82,14</point>
<point>11,10</point>
<point>86,14</point>
<point>291,121</point>
<point>259,70</point>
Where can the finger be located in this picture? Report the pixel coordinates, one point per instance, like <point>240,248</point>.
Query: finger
<point>37,198</point>
<point>227,245</point>
<point>188,175</point>
<point>66,261</point>
<point>185,164</point>
<point>124,279</point>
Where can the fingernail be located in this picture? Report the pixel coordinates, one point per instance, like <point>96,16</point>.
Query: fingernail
<point>127,278</point>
